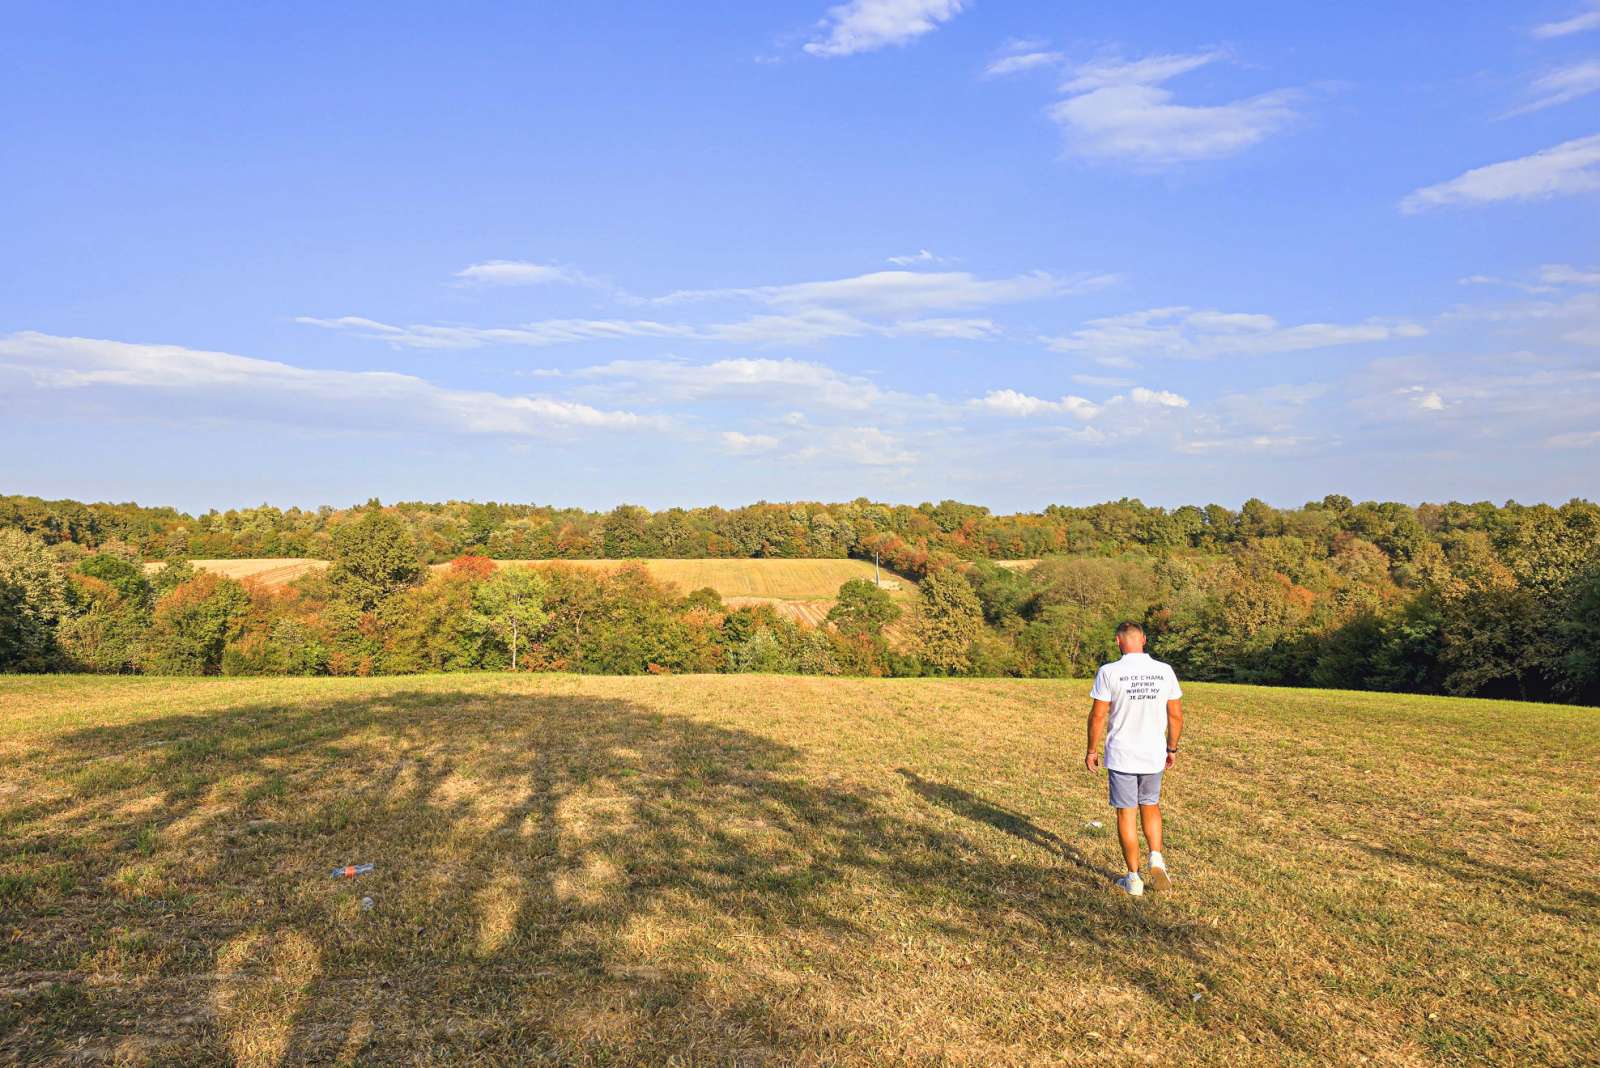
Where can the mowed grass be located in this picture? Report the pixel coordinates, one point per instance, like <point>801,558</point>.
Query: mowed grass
<point>267,570</point>
<point>788,580</point>
<point>754,870</point>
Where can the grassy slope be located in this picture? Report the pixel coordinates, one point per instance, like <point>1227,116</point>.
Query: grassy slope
<point>790,580</point>
<point>763,870</point>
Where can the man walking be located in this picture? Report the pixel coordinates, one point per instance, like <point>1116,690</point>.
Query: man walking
<point>1140,697</point>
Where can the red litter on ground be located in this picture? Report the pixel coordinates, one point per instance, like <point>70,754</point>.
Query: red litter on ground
<point>350,871</point>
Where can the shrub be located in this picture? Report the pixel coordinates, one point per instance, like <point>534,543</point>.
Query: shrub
<point>192,626</point>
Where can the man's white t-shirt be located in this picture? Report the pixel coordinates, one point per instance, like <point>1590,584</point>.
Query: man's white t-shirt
<point>1138,687</point>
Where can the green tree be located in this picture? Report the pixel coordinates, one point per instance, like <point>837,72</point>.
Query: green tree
<point>950,618</point>
<point>192,626</point>
<point>510,604</point>
<point>374,558</point>
<point>106,630</point>
<point>1003,592</point>
<point>761,653</point>
<point>124,576</point>
<point>34,598</point>
<point>862,608</point>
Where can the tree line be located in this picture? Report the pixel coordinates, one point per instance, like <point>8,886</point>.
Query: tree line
<point>1470,599</point>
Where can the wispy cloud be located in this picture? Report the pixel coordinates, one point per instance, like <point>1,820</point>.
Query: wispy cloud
<point>905,292</point>
<point>1019,56</point>
<point>1579,23</point>
<point>922,256</point>
<point>1569,168</point>
<point>1108,73</point>
<point>1504,399</point>
<point>1564,274</point>
<point>1011,402</point>
<point>868,25</point>
<point>887,304</point>
<point>1118,111</point>
<point>735,441</point>
<point>521,273</point>
<point>1185,333</point>
<point>785,382</point>
<point>1569,316</point>
<point>537,334</point>
<point>245,386</point>
<point>1561,86</point>
<point>803,326</point>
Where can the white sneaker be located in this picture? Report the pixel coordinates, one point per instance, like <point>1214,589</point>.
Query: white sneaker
<point>1158,879</point>
<point>1132,884</point>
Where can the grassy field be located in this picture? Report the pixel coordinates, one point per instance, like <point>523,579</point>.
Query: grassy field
<point>785,580</point>
<point>270,571</point>
<point>755,870</point>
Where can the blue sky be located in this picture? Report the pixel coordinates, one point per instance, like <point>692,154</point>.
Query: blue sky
<point>1012,253</point>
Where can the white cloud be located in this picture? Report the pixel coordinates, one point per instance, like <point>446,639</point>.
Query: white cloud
<point>1562,274</point>
<point>1503,397</point>
<point>1020,61</point>
<point>1120,112</point>
<point>869,446</point>
<point>1423,399</point>
<point>242,385</point>
<point>1151,70</point>
<point>1587,20</point>
<point>1157,398</point>
<point>956,329</point>
<point>1495,280</point>
<point>805,326</point>
<point>1561,86</point>
<point>785,381</point>
<point>922,256</point>
<point>1243,443</point>
<point>868,25</point>
<point>1103,380</point>
<point>889,303</point>
<point>905,292</point>
<point>521,273</point>
<point>801,326</point>
<point>734,441</point>
<point>1012,403</point>
<point>1184,333</point>
<point>537,334</point>
<point>1572,316</point>
<point>1569,168</point>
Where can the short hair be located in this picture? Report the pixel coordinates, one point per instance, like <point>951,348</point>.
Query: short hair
<point>1127,626</point>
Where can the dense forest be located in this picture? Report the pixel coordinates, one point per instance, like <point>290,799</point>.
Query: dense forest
<point>1471,599</point>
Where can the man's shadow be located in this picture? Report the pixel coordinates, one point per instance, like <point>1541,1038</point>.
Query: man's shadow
<point>971,806</point>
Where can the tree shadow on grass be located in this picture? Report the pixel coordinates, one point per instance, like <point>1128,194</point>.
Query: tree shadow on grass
<point>1553,896</point>
<point>970,806</point>
<point>559,879</point>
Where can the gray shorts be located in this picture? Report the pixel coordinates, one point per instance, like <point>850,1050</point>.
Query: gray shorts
<point>1130,789</point>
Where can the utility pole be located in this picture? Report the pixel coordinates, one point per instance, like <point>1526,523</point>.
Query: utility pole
<point>876,579</point>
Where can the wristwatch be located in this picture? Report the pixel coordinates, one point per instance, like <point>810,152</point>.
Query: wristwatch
<point>1172,749</point>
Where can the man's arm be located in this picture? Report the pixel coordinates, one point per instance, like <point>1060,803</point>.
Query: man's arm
<point>1098,710</point>
<point>1174,728</point>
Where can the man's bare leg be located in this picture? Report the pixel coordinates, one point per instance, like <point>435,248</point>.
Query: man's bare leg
<point>1128,835</point>
<point>1150,817</point>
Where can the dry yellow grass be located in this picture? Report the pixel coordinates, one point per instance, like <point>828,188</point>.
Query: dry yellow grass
<point>270,571</point>
<point>780,580</point>
<point>786,580</point>
<point>754,870</point>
